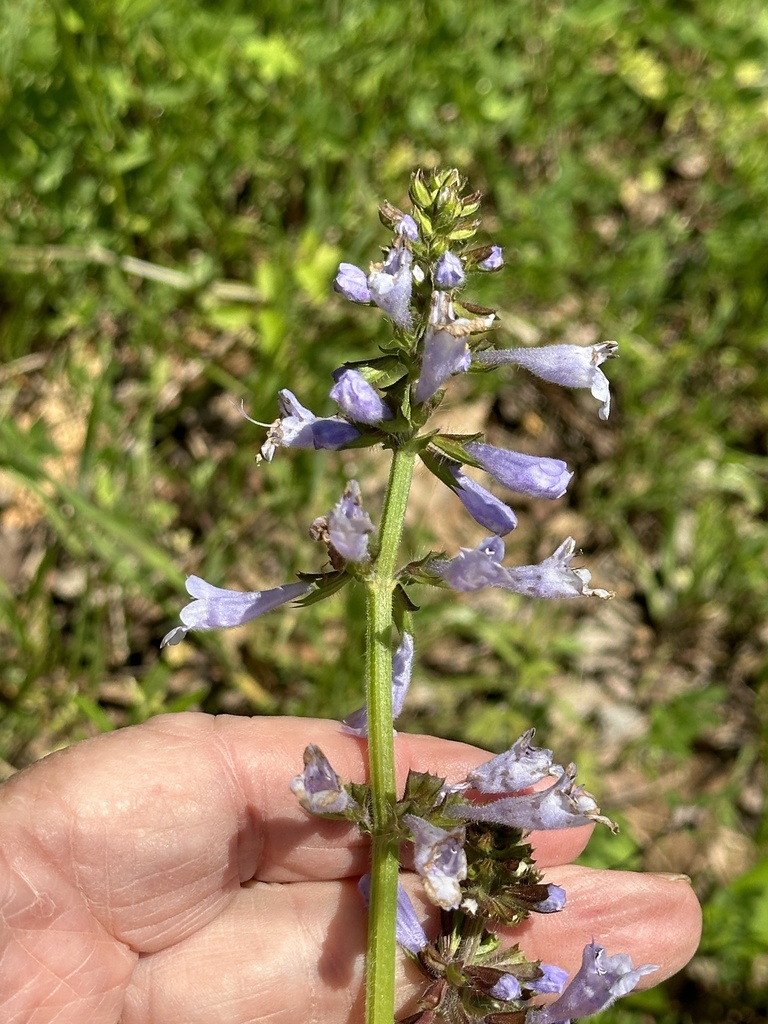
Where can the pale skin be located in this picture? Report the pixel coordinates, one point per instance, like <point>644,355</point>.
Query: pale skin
<point>164,873</point>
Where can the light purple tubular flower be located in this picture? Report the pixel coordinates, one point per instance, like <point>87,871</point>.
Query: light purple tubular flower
<point>358,400</point>
<point>473,568</point>
<point>527,474</point>
<point>571,366</point>
<point>349,525</point>
<point>332,433</point>
<point>484,507</point>
<point>599,982</point>
<point>553,902</point>
<point>297,427</point>
<point>553,979</point>
<point>553,577</point>
<point>408,930</point>
<point>440,860</point>
<point>562,805</point>
<point>408,227</point>
<point>390,285</point>
<point>215,608</point>
<point>402,667</point>
<point>445,344</point>
<point>517,768</point>
<point>449,273</point>
<point>352,283</point>
<point>494,261</point>
<point>318,789</point>
<point>506,988</point>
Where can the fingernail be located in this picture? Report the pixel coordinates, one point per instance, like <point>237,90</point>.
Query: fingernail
<point>674,876</point>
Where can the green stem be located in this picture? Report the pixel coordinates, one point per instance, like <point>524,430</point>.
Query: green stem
<point>385,861</point>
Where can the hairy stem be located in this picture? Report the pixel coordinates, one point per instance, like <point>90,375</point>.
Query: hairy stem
<point>380,963</point>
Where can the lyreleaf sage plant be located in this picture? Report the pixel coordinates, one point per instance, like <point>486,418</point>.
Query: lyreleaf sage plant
<point>469,837</point>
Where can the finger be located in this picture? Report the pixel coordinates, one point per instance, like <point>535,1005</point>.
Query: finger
<point>288,952</point>
<point>655,918</point>
<point>157,825</point>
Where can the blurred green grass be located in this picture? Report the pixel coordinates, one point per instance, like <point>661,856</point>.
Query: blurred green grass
<point>240,155</point>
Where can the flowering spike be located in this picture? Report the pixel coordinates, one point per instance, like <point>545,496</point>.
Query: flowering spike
<point>534,475</point>
<point>318,789</point>
<point>215,608</point>
<point>440,860</point>
<point>571,366</point>
<point>599,982</point>
<point>357,399</point>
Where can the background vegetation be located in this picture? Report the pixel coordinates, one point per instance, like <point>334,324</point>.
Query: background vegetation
<point>178,183</point>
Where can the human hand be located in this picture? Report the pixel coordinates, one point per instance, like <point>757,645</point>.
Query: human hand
<point>164,873</point>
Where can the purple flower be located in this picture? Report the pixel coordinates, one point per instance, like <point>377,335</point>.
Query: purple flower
<point>297,427</point>
<point>473,568</point>
<point>440,860</point>
<point>517,768</point>
<point>408,227</point>
<point>484,507</point>
<point>214,608</point>
<point>390,285</point>
<point>318,788</point>
<point>445,345</point>
<point>553,902</point>
<point>553,979</point>
<point>562,805</point>
<point>408,930</point>
<point>527,474</point>
<point>571,366</point>
<point>599,982</point>
<point>553,577</point>
<point>357,399</point>
<point>402,666</point>
<point>449,272</point>
<point>352,283</point>
<point>349,525</point>
<point>494,261</point>
<point>506,988</point>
